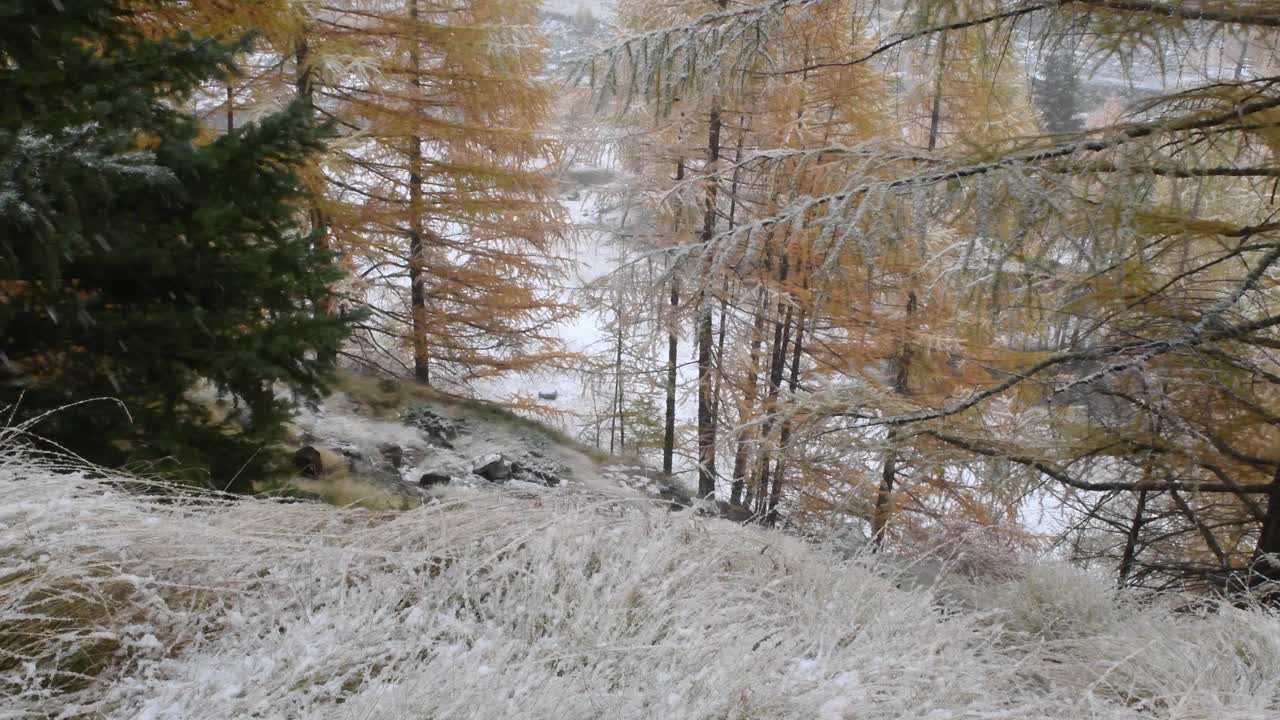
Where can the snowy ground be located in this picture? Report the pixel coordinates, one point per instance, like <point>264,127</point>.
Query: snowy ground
<point>123,600</point>
<point>601,8</point>
<point>355,425</point>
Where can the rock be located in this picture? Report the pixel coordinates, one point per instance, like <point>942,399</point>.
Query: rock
<point>433,478</point>
<point>736,513</point>
<point>392,453</point>
<point>520,471</point>
<point>439,430</point>
<point>493,467</point>
<point>439,440</point>
<point>356,461</point>
<point>309,462</point>
<point>553,395</point>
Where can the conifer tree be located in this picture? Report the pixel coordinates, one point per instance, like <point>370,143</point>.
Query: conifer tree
<point>1100,311</point>
<point>140,262</point>
<point>1057,91</point>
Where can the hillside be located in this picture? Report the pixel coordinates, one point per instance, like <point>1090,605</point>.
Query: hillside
<point>385,443</point>
<point>128,599</point>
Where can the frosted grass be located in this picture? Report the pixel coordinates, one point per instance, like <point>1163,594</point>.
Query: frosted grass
<point>126,599</point>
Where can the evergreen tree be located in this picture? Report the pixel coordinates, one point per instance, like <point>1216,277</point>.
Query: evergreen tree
<point>1057,91</point>
<point>139,262</point>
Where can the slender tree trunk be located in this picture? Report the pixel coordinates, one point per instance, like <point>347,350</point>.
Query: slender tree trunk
<point>781,339</point>
<point>1267,569</point>
<point>720,335</point>
<point>740,456</point>
<point>888,476</point>
<point>793,382</point>
<point>706,329</point>
<point>1131,541</point>
<point>935,115</point>
<point>417,253</point>
<point>706,415</point>
<point>231,107</point>
<point>618,419</point>
<point>304,86</point>
<point>889,470</point>
<point>673,359</point>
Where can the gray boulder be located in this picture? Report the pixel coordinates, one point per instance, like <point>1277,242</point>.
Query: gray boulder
<point>493,467</point>
<point>392,453</point>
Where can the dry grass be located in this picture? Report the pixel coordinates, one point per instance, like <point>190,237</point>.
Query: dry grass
<point>141,602</point>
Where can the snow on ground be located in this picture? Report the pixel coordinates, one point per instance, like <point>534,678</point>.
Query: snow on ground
<point>123,600</point>
<point>601,8</point>
<point>349,426</point>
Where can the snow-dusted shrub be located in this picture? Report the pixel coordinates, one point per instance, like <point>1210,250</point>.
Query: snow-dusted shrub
<point>1221,664</point>
<point>1052,600</point>
<point>989,553</point>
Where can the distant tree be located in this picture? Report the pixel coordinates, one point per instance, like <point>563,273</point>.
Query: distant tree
<point>1057,91</point>
<point>441,193</point>
<point>139,262</point>
<point>585,20</point>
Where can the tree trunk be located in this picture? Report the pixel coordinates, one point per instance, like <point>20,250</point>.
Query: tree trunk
<point>775,492</point>
<point>748,405</point>
<point>618,420</point>
<point>781,339</point>
<point>889,470</point>
<point>304,86</point>
<point>935,115</point>
<point>673,358</point>
<point>417,255</point>
<point>1264,568</point>
<point>1131,542</point>
<point>719,355</point>
<point>231,107</point>
<point>706,329</point>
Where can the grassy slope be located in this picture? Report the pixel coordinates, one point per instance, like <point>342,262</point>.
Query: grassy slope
<point>148,605</point>
<point>388,398</point>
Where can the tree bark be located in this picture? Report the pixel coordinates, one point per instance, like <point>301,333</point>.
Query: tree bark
<point>1264,568</point>
<point>618,420</point>
<point>889,469</point>
<point>304,86</point>
<point>935,115</point>
<point>673,358</point>
<point>1131,542</point>
<point>706,399</point>
<point>781,339</point>
<point>740,456</point>
<point>793,382</point>
<point>706,329</point>
<point>417,254</point>
<point>231,107</point>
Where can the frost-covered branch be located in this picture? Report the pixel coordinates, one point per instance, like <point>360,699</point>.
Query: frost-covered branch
<point>717,49</point>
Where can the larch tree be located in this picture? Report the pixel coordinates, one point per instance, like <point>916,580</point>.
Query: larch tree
<point>1099,308</point>
<point>443,191</point>
<point>438,192</point>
